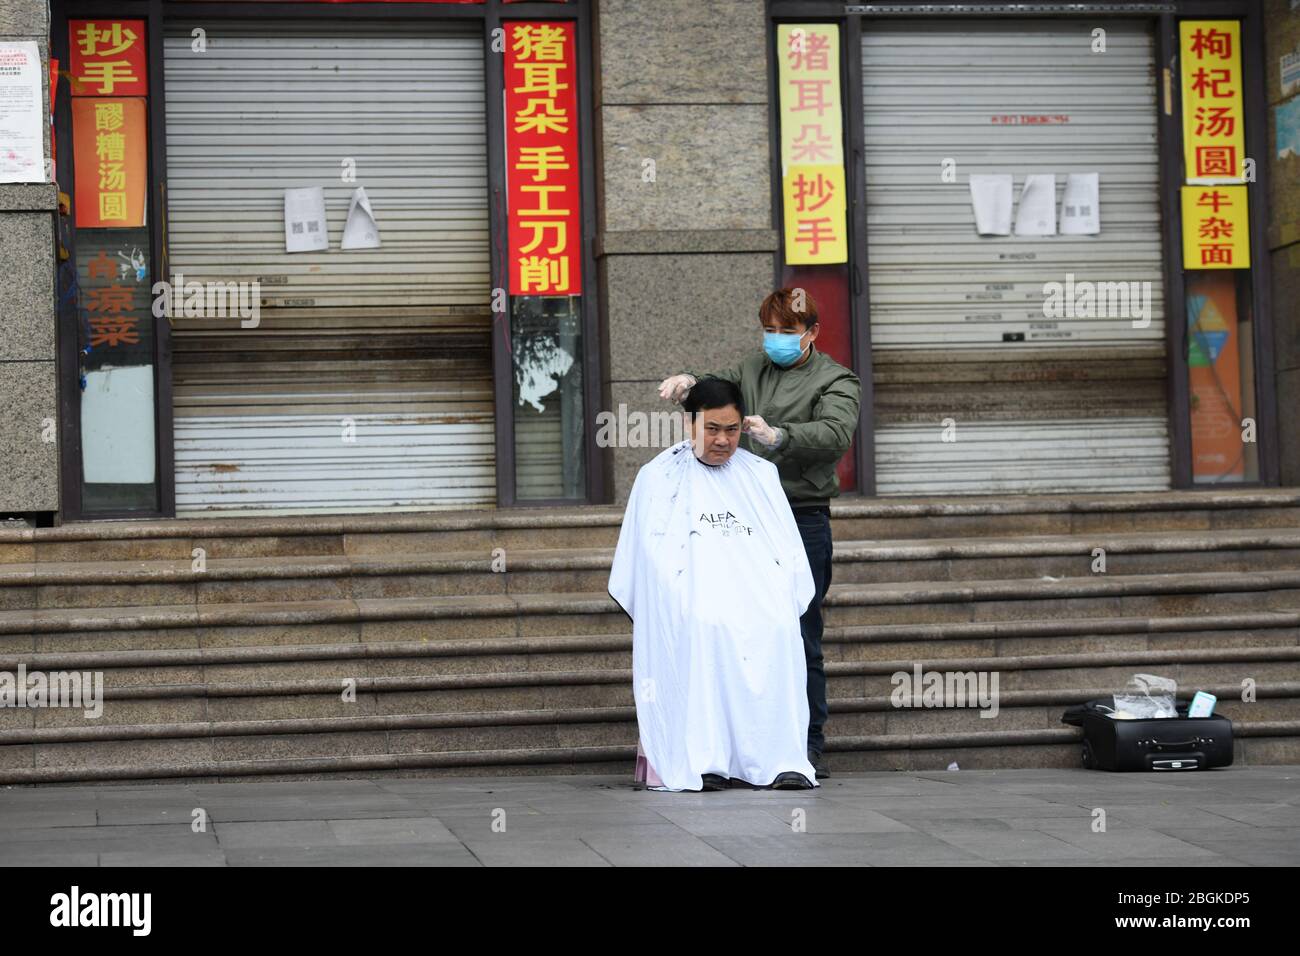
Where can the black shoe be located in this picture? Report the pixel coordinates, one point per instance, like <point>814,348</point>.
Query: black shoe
<point>715,781</point>
<point>819,764</point>
<point>791,780</point>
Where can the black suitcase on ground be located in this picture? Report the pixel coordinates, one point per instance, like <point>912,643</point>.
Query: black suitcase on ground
<point>1162,743</point>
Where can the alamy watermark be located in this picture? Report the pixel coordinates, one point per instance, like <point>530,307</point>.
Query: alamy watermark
<point>946,689</point>
<point>638,429</point>
<point>209,300</point>
<point>76,909</point>
<point>1098,300</point>
<point>83,690</point>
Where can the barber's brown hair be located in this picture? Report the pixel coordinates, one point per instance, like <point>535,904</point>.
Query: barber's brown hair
<point>779,308</point>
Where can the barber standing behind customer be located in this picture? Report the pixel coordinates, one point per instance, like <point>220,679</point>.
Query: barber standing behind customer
<point>805,410</point>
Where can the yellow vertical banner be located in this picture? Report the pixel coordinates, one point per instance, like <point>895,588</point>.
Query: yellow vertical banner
<point>1216,228</point>
<point>1214,137</point>
<point>812,150</point>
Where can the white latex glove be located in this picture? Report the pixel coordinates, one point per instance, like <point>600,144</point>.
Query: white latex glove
<point>675,387</point>
<point>761,431</point>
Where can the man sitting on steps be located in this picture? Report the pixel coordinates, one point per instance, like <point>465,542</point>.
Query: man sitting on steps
<point>712,570</point>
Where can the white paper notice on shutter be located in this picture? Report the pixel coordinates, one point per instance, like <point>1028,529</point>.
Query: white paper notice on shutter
<point>304,220</point>
<point>1036,214</point>
<point>990,195</point>
<point>1080,206</point>
<point>22,114</point>
<point>361,232</point>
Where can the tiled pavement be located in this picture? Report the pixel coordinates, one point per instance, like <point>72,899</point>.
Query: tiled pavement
<point>1233,817</point>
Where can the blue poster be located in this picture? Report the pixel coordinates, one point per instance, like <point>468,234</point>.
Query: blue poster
<point>1287,117</point>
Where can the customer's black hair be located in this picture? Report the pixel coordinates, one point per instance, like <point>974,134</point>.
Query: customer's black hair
<point>711,392</point>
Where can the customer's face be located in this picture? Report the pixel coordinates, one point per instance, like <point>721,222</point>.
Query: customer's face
<point>715,433</point>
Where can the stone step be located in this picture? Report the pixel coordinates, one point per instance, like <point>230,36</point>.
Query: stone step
<point>309,681</point>
<point>149,711</point>
<point>510,668</point>
<point>426,618</point>
<point>984,516</point>
<point>1099,596</point>
<point>1212,630</point>
<point>1034,556</point>
<point>105,584</point>
<point>573,652</point>
<point>98,584</point>
<point>597,526</point>
<point>567,652</point>
<point>344,753</point>
<point>536,614</point>
<point>239,669</point>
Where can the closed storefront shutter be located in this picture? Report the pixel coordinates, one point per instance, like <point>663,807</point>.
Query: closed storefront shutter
<point>977,390</point>
<point>366,384</point>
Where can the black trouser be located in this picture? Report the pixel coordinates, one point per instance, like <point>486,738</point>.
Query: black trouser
<point>815,529</point>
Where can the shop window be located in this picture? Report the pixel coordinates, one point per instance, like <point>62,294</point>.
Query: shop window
<point>546,344</point>
<point>1221,378</point>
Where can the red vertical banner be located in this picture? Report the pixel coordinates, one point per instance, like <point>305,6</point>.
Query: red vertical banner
<point>108,71</point>
<point>107,58</point>
<point>110,148</point>
<point>542,170</point>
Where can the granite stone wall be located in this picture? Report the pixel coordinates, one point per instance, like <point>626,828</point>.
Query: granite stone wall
<point>29,457</point>
<point>684,258</point>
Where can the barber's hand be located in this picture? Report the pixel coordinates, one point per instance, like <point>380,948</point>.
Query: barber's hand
<point>675,387</point>
<point>759,430</point>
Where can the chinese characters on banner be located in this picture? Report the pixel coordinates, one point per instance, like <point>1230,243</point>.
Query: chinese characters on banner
<point>22,114</point>
<point>1215,228</point>
<point>107,58</point>
<point>812,151</point>
<point>541,112</point>
<point>1216,237</point>
<point>114,299</point>
<point>109,80</point>
<point>1214,138</point>
<point>109,138</point>
<point>1215,223</point>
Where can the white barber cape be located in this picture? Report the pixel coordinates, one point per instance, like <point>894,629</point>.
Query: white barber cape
<point>713,573</point>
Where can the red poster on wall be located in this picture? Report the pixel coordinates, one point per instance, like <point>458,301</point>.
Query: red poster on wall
<point>109,143</point>
<point>107,58</point>
<point>542,193</point>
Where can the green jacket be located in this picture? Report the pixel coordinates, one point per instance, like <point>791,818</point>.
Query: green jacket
<point>815,406</point>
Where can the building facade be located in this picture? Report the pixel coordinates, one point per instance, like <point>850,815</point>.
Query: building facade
<point>312,258</point>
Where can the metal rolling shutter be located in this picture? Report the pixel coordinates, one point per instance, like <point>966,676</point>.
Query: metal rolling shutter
<point>1079,404</point>
<point>394,339</point>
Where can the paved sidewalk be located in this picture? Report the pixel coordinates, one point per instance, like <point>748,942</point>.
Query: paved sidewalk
<point>1233,817</point>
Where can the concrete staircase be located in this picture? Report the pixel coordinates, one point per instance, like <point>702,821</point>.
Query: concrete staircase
<point>238,667</point>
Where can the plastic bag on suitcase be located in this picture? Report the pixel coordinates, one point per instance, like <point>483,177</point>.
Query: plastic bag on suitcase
<point>1148,696</point>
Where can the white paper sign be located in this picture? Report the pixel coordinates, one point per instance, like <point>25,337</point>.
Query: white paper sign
<point>22,114</point>
<point>1080,206</point>
<point>304,220</point>
<point>117,425</point>
<point>1036,214</point>
<point>990,195</point>
<point>361,232</point>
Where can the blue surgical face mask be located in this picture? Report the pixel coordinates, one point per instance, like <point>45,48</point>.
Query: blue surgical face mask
<point>783,348</point>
